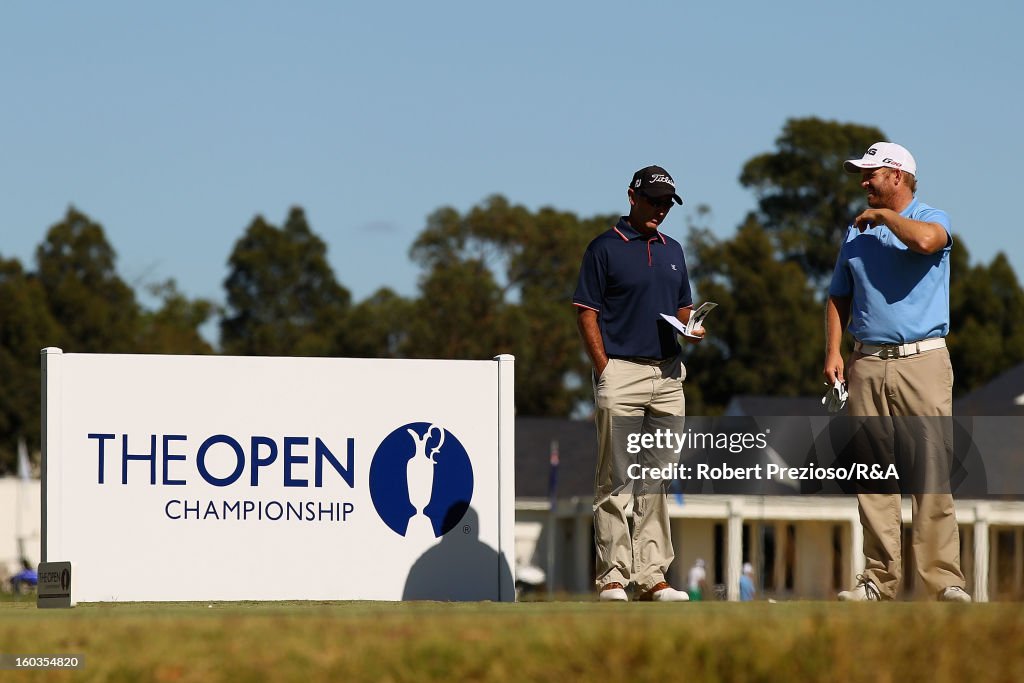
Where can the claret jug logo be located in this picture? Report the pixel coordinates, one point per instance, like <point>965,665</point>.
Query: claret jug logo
<point>421,480</point>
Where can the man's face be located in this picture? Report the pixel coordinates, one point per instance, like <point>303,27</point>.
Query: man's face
<point>647,213</point>
<point>880,185</point>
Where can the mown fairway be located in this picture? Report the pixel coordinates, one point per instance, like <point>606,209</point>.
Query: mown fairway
<point>558,641</point>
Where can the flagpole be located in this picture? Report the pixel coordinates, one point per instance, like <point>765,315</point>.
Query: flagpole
<point>23,477</point>
<point>552,516</point>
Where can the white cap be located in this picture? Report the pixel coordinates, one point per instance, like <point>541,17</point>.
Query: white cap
<point>748,568</point>
<point>883,154</point>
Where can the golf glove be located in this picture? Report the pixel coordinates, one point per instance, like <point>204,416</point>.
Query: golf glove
<point>835,398</point>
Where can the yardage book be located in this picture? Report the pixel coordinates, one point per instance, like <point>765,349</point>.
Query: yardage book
<point>696,319</point>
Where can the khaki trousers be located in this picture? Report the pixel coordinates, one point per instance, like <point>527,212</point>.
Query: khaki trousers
<point>640,392</point>
<point>919,385</point>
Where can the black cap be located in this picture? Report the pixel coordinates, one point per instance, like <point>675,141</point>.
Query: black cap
<point>654,181</point>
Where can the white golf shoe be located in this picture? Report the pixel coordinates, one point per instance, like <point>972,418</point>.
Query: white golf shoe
<point>864,591</point>
<point>613,592</point>
<point>662,592</point>
<point>954,594</point>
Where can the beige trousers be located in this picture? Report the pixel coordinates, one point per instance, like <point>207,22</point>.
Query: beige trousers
<point>919,385</point>
<point>639,392</point>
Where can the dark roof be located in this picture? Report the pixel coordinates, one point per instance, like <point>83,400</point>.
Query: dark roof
<point>999,440</point>
<point>577,453</point>
<point>989,448</point>
<point>776,405</point>
<point>998,397</point>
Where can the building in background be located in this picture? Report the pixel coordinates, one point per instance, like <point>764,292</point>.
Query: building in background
<point>801,546</point>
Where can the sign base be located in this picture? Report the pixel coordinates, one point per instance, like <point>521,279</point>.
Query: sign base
<point>55,586</point>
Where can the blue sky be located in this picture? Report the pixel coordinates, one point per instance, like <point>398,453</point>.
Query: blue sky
<point>174,124</point>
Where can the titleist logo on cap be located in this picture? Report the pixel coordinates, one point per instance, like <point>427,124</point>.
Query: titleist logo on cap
<point>654,181</point>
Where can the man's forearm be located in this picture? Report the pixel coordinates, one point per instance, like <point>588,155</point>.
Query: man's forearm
<point>590,332</point>
<point>837,316</point>
<point>920,236</point>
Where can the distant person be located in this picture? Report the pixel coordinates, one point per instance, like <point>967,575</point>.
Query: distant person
<point>891,287</point>
<point>631,275</point>
<point>697,580</point>
<point>27,577</point>
<point>747,590</point>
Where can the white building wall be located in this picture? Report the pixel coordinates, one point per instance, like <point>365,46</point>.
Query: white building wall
<point>814,519</point>
<point>813,567</point>
<point>20,519</point>
<point>693,539</point>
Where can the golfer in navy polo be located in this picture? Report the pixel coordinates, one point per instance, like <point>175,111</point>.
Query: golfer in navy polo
<point>630,275</point>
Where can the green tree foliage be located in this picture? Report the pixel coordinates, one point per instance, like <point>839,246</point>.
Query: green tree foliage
<point>766,337</point>
<point>76,300</point>
<point>986,318</point>
<point>377,327</point>
<point>461,313</point>
<point>282,296</point>
<point>805,202</point>
<point>26,326</point>
<point>96,309</point>
<point>554,372</point>
<point>499,279</point>
<point>174,327</point>
<point>769,278</point>
<point>805,199</point>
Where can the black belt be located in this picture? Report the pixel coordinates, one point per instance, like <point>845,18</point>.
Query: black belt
<point>642,360</point>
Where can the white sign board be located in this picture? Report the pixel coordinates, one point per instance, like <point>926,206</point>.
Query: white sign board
<point>246,478</point>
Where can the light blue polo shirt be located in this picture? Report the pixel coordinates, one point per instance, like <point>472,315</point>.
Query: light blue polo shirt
<point>898,295</point>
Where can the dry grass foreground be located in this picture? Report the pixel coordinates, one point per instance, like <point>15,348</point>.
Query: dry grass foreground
<point>561,642</point>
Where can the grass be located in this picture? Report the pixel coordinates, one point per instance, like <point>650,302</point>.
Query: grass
<point>559,642</point>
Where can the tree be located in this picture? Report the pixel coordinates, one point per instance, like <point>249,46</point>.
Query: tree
<point>770,278</point>
<point>96,309</point>
<point>554,371</point>
<point>766,336</point>
<point>500,279</point>
<point>26,326</point>
<point>282,296</point>
<point>805,199</point>
<point>805,202</point>
<point>377,327</point>
<point>986,318</point>
<point>461,314</point>
<point>174,327</point>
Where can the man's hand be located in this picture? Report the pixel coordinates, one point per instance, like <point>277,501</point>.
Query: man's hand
<point>683,316</point>
<point>872,218</point>
<point>834,368</point>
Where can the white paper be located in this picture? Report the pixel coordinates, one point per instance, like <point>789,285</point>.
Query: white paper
<point>696,320</point>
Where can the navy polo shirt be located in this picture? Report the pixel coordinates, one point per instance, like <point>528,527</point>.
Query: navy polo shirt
<point>630,279</point>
